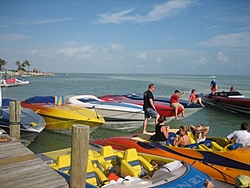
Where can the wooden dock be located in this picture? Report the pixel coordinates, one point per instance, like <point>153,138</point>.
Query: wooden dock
<point>20,168</point>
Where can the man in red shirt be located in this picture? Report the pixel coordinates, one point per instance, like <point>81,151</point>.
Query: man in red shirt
<point>174,102</point>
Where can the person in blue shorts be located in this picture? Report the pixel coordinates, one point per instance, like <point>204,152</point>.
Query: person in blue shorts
<point>213,86</point>
<point>149,107</point>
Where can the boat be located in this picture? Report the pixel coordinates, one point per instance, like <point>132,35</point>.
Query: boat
<point>31,124</point>
<point>213,157</point>
<point>111,111</point>
<point>21,81</point>
<point>25,75</point>
<point>8,82</point>
<point>162,108</point>
<point>189,109</point>
<point>135,169</point>
<point>60,116</point>
<point>232,101</point>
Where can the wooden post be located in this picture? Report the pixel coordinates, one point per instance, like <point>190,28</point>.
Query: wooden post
<point>15,110</point>
<point>79,155</point>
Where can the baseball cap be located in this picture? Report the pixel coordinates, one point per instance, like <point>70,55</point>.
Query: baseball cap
<point>177,91</point>
<point>242,181</point>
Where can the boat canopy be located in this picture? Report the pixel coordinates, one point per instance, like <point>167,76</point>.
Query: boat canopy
<point>40,99</point>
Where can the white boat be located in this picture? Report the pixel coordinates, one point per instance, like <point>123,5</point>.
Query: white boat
<point>25,75</point>
<point>10,82</point>
<point>21,81</point>
<point>111,111</point>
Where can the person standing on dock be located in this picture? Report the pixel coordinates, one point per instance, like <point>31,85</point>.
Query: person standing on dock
<point>149,107</point>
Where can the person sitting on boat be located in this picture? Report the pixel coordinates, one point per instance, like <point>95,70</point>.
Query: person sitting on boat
<point>199,132</point>
<point>161,132</point>
<point>194,99</point>
<point>232,88</point>
<point>112,174</point>
<point>241,136</point>
<point>240,181</point>
<point>174,102</point>
<point>183,139</point>
<point>213,86</point>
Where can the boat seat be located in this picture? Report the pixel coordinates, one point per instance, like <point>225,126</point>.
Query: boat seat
<point>193,146</point>
<point>134,165</point>
<point>233,146</point>
<point>171,138</point>
<point>216,147</point>
<point>207,143</point>
<point>96,161</point>
<point>62,163</point>
<point>111,156</point>
<point>95,176</point>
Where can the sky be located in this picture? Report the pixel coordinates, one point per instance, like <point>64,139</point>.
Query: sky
<point>209,37</point>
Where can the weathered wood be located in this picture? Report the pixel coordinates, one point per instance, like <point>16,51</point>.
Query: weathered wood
<point>14,152</point>
<point>32,173</point>
<point>15,110</point>
<point>20,169</point>
<point>79,156</point>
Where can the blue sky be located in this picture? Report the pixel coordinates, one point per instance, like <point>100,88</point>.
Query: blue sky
<point>127,36</point>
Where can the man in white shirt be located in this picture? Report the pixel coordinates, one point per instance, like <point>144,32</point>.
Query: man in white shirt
<point>242,136</point>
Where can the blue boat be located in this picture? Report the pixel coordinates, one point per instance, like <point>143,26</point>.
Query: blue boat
<point>31,124</point>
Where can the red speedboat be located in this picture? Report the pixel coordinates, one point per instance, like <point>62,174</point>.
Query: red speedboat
<point>162,108</point>
<point>232,101</point>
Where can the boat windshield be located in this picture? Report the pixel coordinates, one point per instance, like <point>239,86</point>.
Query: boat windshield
<point>170,172</point>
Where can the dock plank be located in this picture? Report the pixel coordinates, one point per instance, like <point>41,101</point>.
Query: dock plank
<point>31,173</point>
<point>13,152</point>
<point>19,168</point>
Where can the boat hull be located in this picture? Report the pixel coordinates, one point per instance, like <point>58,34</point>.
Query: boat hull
<point>111,111</point>
<point>31,124</point>
<point>63,117</point>
<point>162,108</point>
<point>232,104</point>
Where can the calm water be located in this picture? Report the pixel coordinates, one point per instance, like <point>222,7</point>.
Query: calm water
<point>221,122</point>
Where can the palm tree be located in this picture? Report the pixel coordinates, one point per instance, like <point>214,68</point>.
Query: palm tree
<point>19,67</point>
<point>26,63</point>
<point>2,63</point>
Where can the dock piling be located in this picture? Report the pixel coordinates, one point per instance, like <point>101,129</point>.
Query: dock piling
<point>15,110</point>
<point>79,155</point>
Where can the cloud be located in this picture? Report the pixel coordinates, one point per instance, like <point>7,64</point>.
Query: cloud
<point>201,61</point>
<point>159,12</point>
<point>83,52</point>
<point>222,58</point>
<point>40,22</point>
<point>7,38</point>
<point>113,48</point>
<point>142,56</point>
<point>241,39</point>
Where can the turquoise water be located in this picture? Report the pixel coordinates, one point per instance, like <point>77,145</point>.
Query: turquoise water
<point>221,122</point>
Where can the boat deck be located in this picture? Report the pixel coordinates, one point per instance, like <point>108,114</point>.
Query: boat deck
<point>20,168</point>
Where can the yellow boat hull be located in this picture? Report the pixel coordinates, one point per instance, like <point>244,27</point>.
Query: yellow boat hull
<point>63,117</point>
